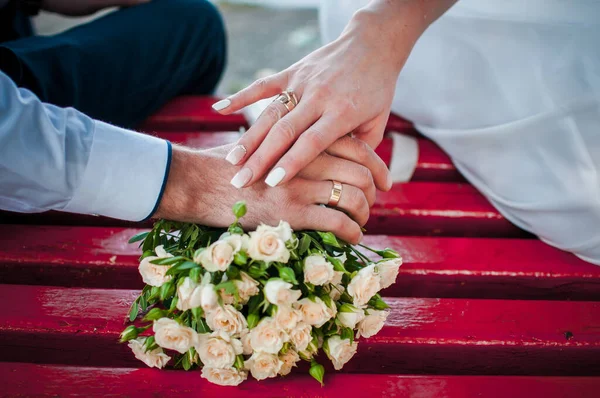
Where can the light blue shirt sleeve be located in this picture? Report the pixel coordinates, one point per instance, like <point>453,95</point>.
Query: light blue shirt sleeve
<point>55,158</point>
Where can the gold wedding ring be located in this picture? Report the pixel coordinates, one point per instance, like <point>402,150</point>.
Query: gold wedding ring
<point>288,99</point>
<point>336,194</point>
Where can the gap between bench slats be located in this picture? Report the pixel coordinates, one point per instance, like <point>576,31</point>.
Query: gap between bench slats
<point>422,336</point>
<point>57,380</point>
<point>433,267</point>
<point>416,208</point>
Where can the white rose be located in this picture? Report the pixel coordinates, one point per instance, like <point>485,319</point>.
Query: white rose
<point>268,243</point>
<point>226,297</point>
<point>185,291</point>
<point>171,335</point>
<point>153,274</point>
<point>263,365</point>
<point>315,313</point>
<point>340,351</point>
<point>349,315</point>
<point>317,270</point>
<point>365,284</point>
<point>301,336</point>
<point>247,287</point>
<point>279,292</point>
<point>287,317</point>
<point>207,297</point>
<point>224,377</point>
<point>245,339</point>
<point>267,336</point>
<point>337,277</point>
<point>227,319</point>
<point>289,360</point>
<point>155,358</point>
<point>219,255</point>
<point>372,323</point>
<point>388,271</point>
<point>219,350</point>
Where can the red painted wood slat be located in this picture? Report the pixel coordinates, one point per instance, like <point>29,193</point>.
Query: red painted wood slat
<point>55,380</point>
<point>433,336</point>
<point>416,208</point>
<point>433,267</point>
<point>192,113</point>
<point>433,164</point>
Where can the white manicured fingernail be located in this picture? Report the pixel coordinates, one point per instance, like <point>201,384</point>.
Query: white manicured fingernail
<point>241,178</point>
<point>218,106</point>
<point>236,154</point>
<point>275,177</point>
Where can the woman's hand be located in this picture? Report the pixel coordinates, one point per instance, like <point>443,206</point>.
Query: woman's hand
<point>344,87</point>
<point>198,190</point>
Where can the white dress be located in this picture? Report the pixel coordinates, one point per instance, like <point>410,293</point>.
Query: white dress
<point>511,91</point>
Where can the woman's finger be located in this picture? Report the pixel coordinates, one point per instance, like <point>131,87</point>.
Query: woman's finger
<point>259,161</point>
<point>309,145</point>
<point>329,220</point>
<point>260,89</point>
<point>358,151</point>
<point>327,168</point>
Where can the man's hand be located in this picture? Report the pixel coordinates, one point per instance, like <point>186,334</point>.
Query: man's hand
<point>79,8</point>
<point>198,190</point>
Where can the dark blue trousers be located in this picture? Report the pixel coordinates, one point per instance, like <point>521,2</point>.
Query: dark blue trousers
<point>124,66</point>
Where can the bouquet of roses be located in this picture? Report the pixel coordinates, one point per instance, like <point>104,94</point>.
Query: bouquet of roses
<point>232,303</point>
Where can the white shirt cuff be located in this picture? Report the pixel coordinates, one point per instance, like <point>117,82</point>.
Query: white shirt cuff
<point>125,175</point>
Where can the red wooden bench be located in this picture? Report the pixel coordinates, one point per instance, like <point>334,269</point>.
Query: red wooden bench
<point>480,308</point>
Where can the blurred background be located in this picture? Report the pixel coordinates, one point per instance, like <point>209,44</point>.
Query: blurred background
<point>265,36</point>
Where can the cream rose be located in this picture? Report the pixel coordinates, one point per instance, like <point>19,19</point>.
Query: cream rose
<point>372,323</point>
<point>301,336</point>
<point>245,339</point>
<point>267,336</point>
<point>268,243</point>
<point>185,292</point>
<point>207,297</point>
<point>219,255</point>
<point>340,351</point>
<point>289,360</point>
<point>315,313</point>
<point>219,350</point>
<point>155,358</point>
<point>349,315</point>
<point>224,377</point>
<point>247,287</point>
<point>263,365</point>
<point>226,319</point>
<point>279,292</point>
<point>388,271</point>
<point>287,317</point>
<point>317,270</point>
<point>365,284</point>
<point>153,274</point>
<point>171,335</point>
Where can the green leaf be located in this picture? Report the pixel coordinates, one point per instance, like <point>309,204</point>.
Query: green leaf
<point>143,302</point>
<point>254,303</point>
<point>329,239</point>
<point>304,244</point>
<point>133,313</point>
<point>239,362</point>
<point>195,274</point>
<point>173,303</point>
<point>138,237</point>
<point>337,264</point>
<point>149,343</point>
<point>348,334</point>
<point>148,242</point>
<point>168,260</point>
<point>317,371</point>
<point>185,362</point>
<point>177,269</point>
<point>253,320</point>
<point>203,326</point>
<point>239,209</point>
<point>166,290</point>
<point>288,275</point>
